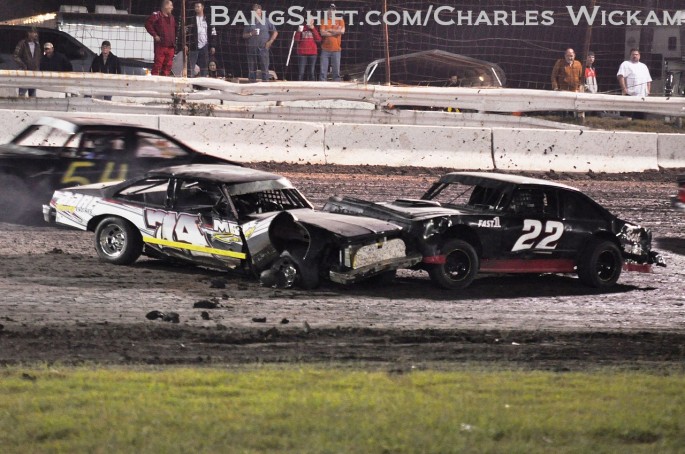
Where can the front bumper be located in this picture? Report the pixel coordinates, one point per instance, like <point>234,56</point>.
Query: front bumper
<point>677,204</point>
<point>365,272</point>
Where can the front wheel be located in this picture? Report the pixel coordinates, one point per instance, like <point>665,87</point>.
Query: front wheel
<point>600,264</point>
<point>117,241</point>
<point>290,270</point>
<point>460,267</point>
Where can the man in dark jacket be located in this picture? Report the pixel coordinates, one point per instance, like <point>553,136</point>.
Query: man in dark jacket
<point>27,55</point>
<point>54,61</point>
<point>201,40</point>
<point>161,25</point>
<point>106,63</point>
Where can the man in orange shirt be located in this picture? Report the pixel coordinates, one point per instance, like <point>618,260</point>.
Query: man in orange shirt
<point>332,28</point>
<point>567,74</point>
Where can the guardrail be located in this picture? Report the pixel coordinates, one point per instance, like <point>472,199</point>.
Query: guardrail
<point>478,99</point>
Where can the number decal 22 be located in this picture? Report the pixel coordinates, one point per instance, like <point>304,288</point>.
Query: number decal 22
<point>534,238</point>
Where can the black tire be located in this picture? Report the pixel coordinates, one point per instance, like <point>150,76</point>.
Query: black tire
<point>600,264</point>
<point>307,273</point>
<point>117,241</point>
<point>460,267</point>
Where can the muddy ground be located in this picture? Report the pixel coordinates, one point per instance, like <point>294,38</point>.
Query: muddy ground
<point>59,304</point>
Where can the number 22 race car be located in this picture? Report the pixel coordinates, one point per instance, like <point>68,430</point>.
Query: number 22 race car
<point>230,217</point>
<point>476,222</point>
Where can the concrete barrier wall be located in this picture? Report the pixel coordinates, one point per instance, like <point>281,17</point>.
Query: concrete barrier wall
<point>423,146</point>
<point>250,140</point>
<point>671,151</point>
<point>521,149</point>
<point>13,121</point>
<point>574,151</point>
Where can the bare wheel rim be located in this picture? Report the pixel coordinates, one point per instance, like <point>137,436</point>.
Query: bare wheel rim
<point>112,240</point>
<point>607,265</point>
<point>457,265</point>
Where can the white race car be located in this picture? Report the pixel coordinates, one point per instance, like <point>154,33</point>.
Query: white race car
<point>230,217</point>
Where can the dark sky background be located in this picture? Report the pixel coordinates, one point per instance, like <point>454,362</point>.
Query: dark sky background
<point>526,54</point>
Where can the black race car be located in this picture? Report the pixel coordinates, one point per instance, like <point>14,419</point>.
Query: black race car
<point>471,222</point>
<point>230,217</point>
<point>678,200</point>
<point>54,153</point>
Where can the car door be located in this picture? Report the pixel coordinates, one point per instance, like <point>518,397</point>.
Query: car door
<point>532,226</point>
<point>95,156</point>
<point>582,218</point>
<point>199,225</point>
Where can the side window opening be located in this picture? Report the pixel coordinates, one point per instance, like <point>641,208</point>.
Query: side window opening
<point>151,191</point>
<point>198,196</point>
<point>155,146</point>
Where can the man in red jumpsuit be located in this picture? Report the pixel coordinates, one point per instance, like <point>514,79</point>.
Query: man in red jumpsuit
<point>162,26</point>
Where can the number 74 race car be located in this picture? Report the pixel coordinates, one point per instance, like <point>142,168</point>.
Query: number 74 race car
<point>230,217</point>
<point>471,222</point>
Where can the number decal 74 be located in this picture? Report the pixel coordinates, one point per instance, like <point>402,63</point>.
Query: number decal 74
<point>535,237</point>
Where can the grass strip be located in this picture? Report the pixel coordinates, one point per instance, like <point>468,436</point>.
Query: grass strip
<point>295,409</point>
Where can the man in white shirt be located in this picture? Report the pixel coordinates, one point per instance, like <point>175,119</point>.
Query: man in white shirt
<point>200,36</point>
<point>634,77</point>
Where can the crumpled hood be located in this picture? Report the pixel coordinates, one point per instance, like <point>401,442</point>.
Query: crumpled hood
<point>406,210</point>
<point>343,225</point>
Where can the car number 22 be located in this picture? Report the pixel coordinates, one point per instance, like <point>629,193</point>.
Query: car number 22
<point>537,236</point>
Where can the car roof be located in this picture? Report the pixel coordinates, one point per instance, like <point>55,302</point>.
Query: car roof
<point>220,173</point>
<point>71,124</point>
<point>497,179</point>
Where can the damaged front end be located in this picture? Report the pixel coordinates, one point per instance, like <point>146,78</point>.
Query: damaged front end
<point>636,246</point>
<point>342,249</point>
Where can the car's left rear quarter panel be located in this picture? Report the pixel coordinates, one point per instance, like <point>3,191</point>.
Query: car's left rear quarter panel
<point>77,209</point>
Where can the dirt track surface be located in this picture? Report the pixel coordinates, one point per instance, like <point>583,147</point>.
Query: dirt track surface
<point>59,303</point>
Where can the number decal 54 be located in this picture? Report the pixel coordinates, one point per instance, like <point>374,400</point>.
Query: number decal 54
<point>535,237</point>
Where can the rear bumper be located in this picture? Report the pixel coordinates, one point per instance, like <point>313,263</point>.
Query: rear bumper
<point>359,274</point>
<point>49,214</point>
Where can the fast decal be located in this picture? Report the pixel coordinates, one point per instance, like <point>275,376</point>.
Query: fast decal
<point>490,223</point>
<point>182,231</point>
<point>537,236</point>
<point>72,173</point>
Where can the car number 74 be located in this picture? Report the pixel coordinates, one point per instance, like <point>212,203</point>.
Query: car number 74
<point>534,238</point>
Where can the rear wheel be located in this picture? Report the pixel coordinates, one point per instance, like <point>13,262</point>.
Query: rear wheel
<point>460,267</point>
<point>117,241</point>
<point>600,264</point>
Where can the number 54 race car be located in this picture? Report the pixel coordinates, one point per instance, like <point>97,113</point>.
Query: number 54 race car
<point>471,222</point>
<point>230,217</point>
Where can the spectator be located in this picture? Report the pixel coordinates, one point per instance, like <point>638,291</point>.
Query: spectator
<point>27,55</point>
<point>331,29</point>
<point>201,41</point>
<point>106,63</point>
<point>567,73</point>
<point>161,25</point>
<point>212,70</point>
<point>590,74</point>
<point>307,37</point>
<point>634,79</point>
<point>260,36</point>
<point>54,61</point>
